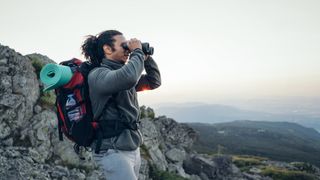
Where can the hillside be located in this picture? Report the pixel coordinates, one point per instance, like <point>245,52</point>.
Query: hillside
<point>282,141</point>
<point>217,113</point>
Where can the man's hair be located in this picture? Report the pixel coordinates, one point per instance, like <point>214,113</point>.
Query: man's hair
<point>92,48</point>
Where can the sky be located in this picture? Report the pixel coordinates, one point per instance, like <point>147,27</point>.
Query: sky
<point>207,50</point>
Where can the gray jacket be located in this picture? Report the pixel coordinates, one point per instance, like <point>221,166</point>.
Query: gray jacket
<point>113,91</point>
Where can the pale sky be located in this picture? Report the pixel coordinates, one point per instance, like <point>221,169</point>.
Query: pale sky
<point>206,49</point>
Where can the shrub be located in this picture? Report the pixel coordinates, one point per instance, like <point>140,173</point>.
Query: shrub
<point>37,64</point>
<point>284,174</point>
<point>302,166</point>
<point>247,160</point>
<point>48,99</point>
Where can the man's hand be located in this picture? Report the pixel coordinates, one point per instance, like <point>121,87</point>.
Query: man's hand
<point>134,44</point>
<point>146,57</point>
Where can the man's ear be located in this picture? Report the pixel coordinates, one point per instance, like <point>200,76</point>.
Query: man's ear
<point>107,49</point>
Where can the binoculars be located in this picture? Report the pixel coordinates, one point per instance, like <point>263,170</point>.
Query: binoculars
<point>147,50</point>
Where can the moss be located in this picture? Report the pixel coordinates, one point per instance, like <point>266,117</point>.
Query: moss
<point>284,174</point>
<point>48,99</point>
<point>37,64</point>
<point>246,162</point>
<point>302,166</point>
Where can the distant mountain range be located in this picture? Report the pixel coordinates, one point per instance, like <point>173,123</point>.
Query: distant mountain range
<point>282,141</point>
<point>215,113</point>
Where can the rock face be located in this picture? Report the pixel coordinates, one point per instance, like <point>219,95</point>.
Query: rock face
<point>29,145</point>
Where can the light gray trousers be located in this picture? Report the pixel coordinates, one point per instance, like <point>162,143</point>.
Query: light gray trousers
<point>118,164</point>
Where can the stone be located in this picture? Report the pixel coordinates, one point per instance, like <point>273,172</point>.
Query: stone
<point>176,155</point>
<point>255,170</point>
<point>11,100</point>
<point>5,84</point>
<point>3,62</point>
<point>5,130</point>
<point>4,70</point>
<point>36,156</point>
<point>12,154</point>
<point>158,159</point>
<point>205,168</point>
<point>8,142</point>
<point>177,169</point>
<point>37,109</point>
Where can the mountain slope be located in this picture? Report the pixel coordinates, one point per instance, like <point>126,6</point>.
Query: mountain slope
<point>215,113</point>
<point>277,140</point>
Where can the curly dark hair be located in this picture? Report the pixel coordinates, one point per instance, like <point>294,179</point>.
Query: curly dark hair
<point>92,47</point>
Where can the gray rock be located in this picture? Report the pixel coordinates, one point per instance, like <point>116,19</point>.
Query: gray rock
<point>144,170</point>
<point>158,159</point>
<point>255,177</point>
<point>60,171</point>
<point>179,135</point>
<point>151,135</point>
<point>12,154</point>
<point>12,101</point>
<point>41,58</point>
<point>194,177</point>
<point>216,168</point>
<point>5,84</point>
<point>178,169</point>
<point>4,70</point>
<point>3,62</point>
<point>176,155</point>
<point>36,156</point>
<point>37,109</point>
<point>5,130</point>
<point>94,175</point>
<point>255,170</point>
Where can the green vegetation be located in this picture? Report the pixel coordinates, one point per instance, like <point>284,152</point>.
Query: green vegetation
<point>280,141</point>
<point>146,112</point>
<point>48,99</point>
<point>37,64</point>
<point>284,174</point>
<point>157,174</point>
<point>302,166</point>
<point>246,162</point>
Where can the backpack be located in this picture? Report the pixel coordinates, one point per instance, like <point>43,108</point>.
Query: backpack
<point>74,112</point>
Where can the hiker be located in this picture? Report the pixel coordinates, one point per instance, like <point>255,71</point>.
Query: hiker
<point>112,89</point>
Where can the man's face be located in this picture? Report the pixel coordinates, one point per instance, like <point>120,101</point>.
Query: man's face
<point>119,54</point>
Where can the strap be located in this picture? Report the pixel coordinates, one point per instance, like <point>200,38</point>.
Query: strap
<point>99,141</point>
<point>60,132</point>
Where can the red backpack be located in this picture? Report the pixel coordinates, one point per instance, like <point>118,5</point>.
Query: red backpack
<point>75,116</point>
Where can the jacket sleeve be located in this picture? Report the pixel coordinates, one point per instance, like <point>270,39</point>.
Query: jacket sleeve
<point>152,79</point>
<point>108,81</point>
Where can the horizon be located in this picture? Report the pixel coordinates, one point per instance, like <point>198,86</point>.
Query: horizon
<point>209,51</point>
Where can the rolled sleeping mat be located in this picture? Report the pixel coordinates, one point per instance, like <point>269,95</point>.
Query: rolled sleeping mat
<point>54,76</point>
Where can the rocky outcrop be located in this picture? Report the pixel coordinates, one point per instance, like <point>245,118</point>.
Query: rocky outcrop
<point>29,146</point>
<point>220,167</point>
<point>19,89</point>
<point>166,142</point>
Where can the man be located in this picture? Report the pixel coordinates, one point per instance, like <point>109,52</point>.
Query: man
<point>113,91</point>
